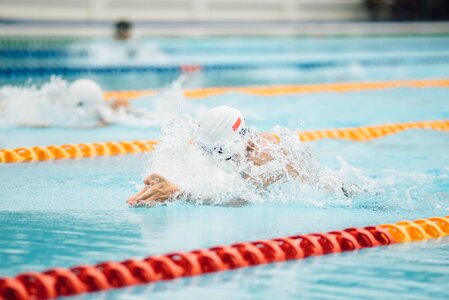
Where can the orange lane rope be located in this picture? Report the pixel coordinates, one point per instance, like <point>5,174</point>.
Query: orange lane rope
<point>60,282</point>
<point>288,89</point>
<point>361,134</point>
<point>366,133</point>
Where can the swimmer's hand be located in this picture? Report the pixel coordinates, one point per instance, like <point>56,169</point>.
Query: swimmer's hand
<point>157,189</point>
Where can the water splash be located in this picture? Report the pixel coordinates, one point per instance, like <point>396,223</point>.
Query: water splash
<point>163,107</point>
<point>293,170</point>
<point>47,105</point>
<point>298,176</point>
<point>205,180</point>
<point>51,104</point>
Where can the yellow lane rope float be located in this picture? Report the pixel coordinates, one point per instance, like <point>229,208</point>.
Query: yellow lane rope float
<point>288,89</point>
<point>360,134</point>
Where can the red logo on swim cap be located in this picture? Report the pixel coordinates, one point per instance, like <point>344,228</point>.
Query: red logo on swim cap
<point>236,124</point>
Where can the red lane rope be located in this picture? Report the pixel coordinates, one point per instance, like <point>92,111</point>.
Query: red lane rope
<point>60,282</point>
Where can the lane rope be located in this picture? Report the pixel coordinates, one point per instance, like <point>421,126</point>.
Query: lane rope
<point>288,89</point>
<point>19,53</point>
<point>41,70</point>
<point>84,150</point>
<point>60,282</point>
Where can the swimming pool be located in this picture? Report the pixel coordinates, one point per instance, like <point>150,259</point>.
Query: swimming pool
<point>70,212</point>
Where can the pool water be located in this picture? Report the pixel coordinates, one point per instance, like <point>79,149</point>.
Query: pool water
<point>70,212</point>
<point>350,59</point>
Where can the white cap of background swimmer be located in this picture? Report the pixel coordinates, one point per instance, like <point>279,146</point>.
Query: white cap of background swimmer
<point>223,129</point>
<point>87,92</point>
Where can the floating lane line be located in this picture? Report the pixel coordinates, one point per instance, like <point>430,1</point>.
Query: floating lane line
<point>60,282</point>
<point>84,150</point>
<point>278,90</point>
<point>74,69</point>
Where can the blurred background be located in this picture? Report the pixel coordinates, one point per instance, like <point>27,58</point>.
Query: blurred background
<point>153,44</point>
<point>226,10</point>
<point>45,45</point>
<point>213,16</point>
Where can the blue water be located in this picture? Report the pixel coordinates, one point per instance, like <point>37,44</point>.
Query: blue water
<point>405,52</point>
<point>302,111</point>
<point>71,212</point>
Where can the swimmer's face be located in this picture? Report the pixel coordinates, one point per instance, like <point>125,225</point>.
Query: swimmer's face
<point>229,150</point>
<point>87,107</point>
<point>85,95</point>
<point>83,110</point>
<point>219,152</point>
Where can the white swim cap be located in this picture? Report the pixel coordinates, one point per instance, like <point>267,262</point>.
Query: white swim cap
<point>223,129</point>
<point>87,92</point>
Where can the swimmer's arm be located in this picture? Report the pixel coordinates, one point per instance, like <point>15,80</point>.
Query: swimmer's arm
<point>263,181</point>
<point>158,190</point>
<point>263,157</point>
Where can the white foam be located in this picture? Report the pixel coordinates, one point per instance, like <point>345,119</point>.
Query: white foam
<point>209,180</point>
<point>205,179</point>
<point>51,104</point>
<point>47,105</point>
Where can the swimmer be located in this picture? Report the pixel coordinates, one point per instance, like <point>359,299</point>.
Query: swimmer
<point>122,34</point>
<point>56,103</point>
<point>122,30</point>
<point>88,98</point>
<point>223,135</point>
